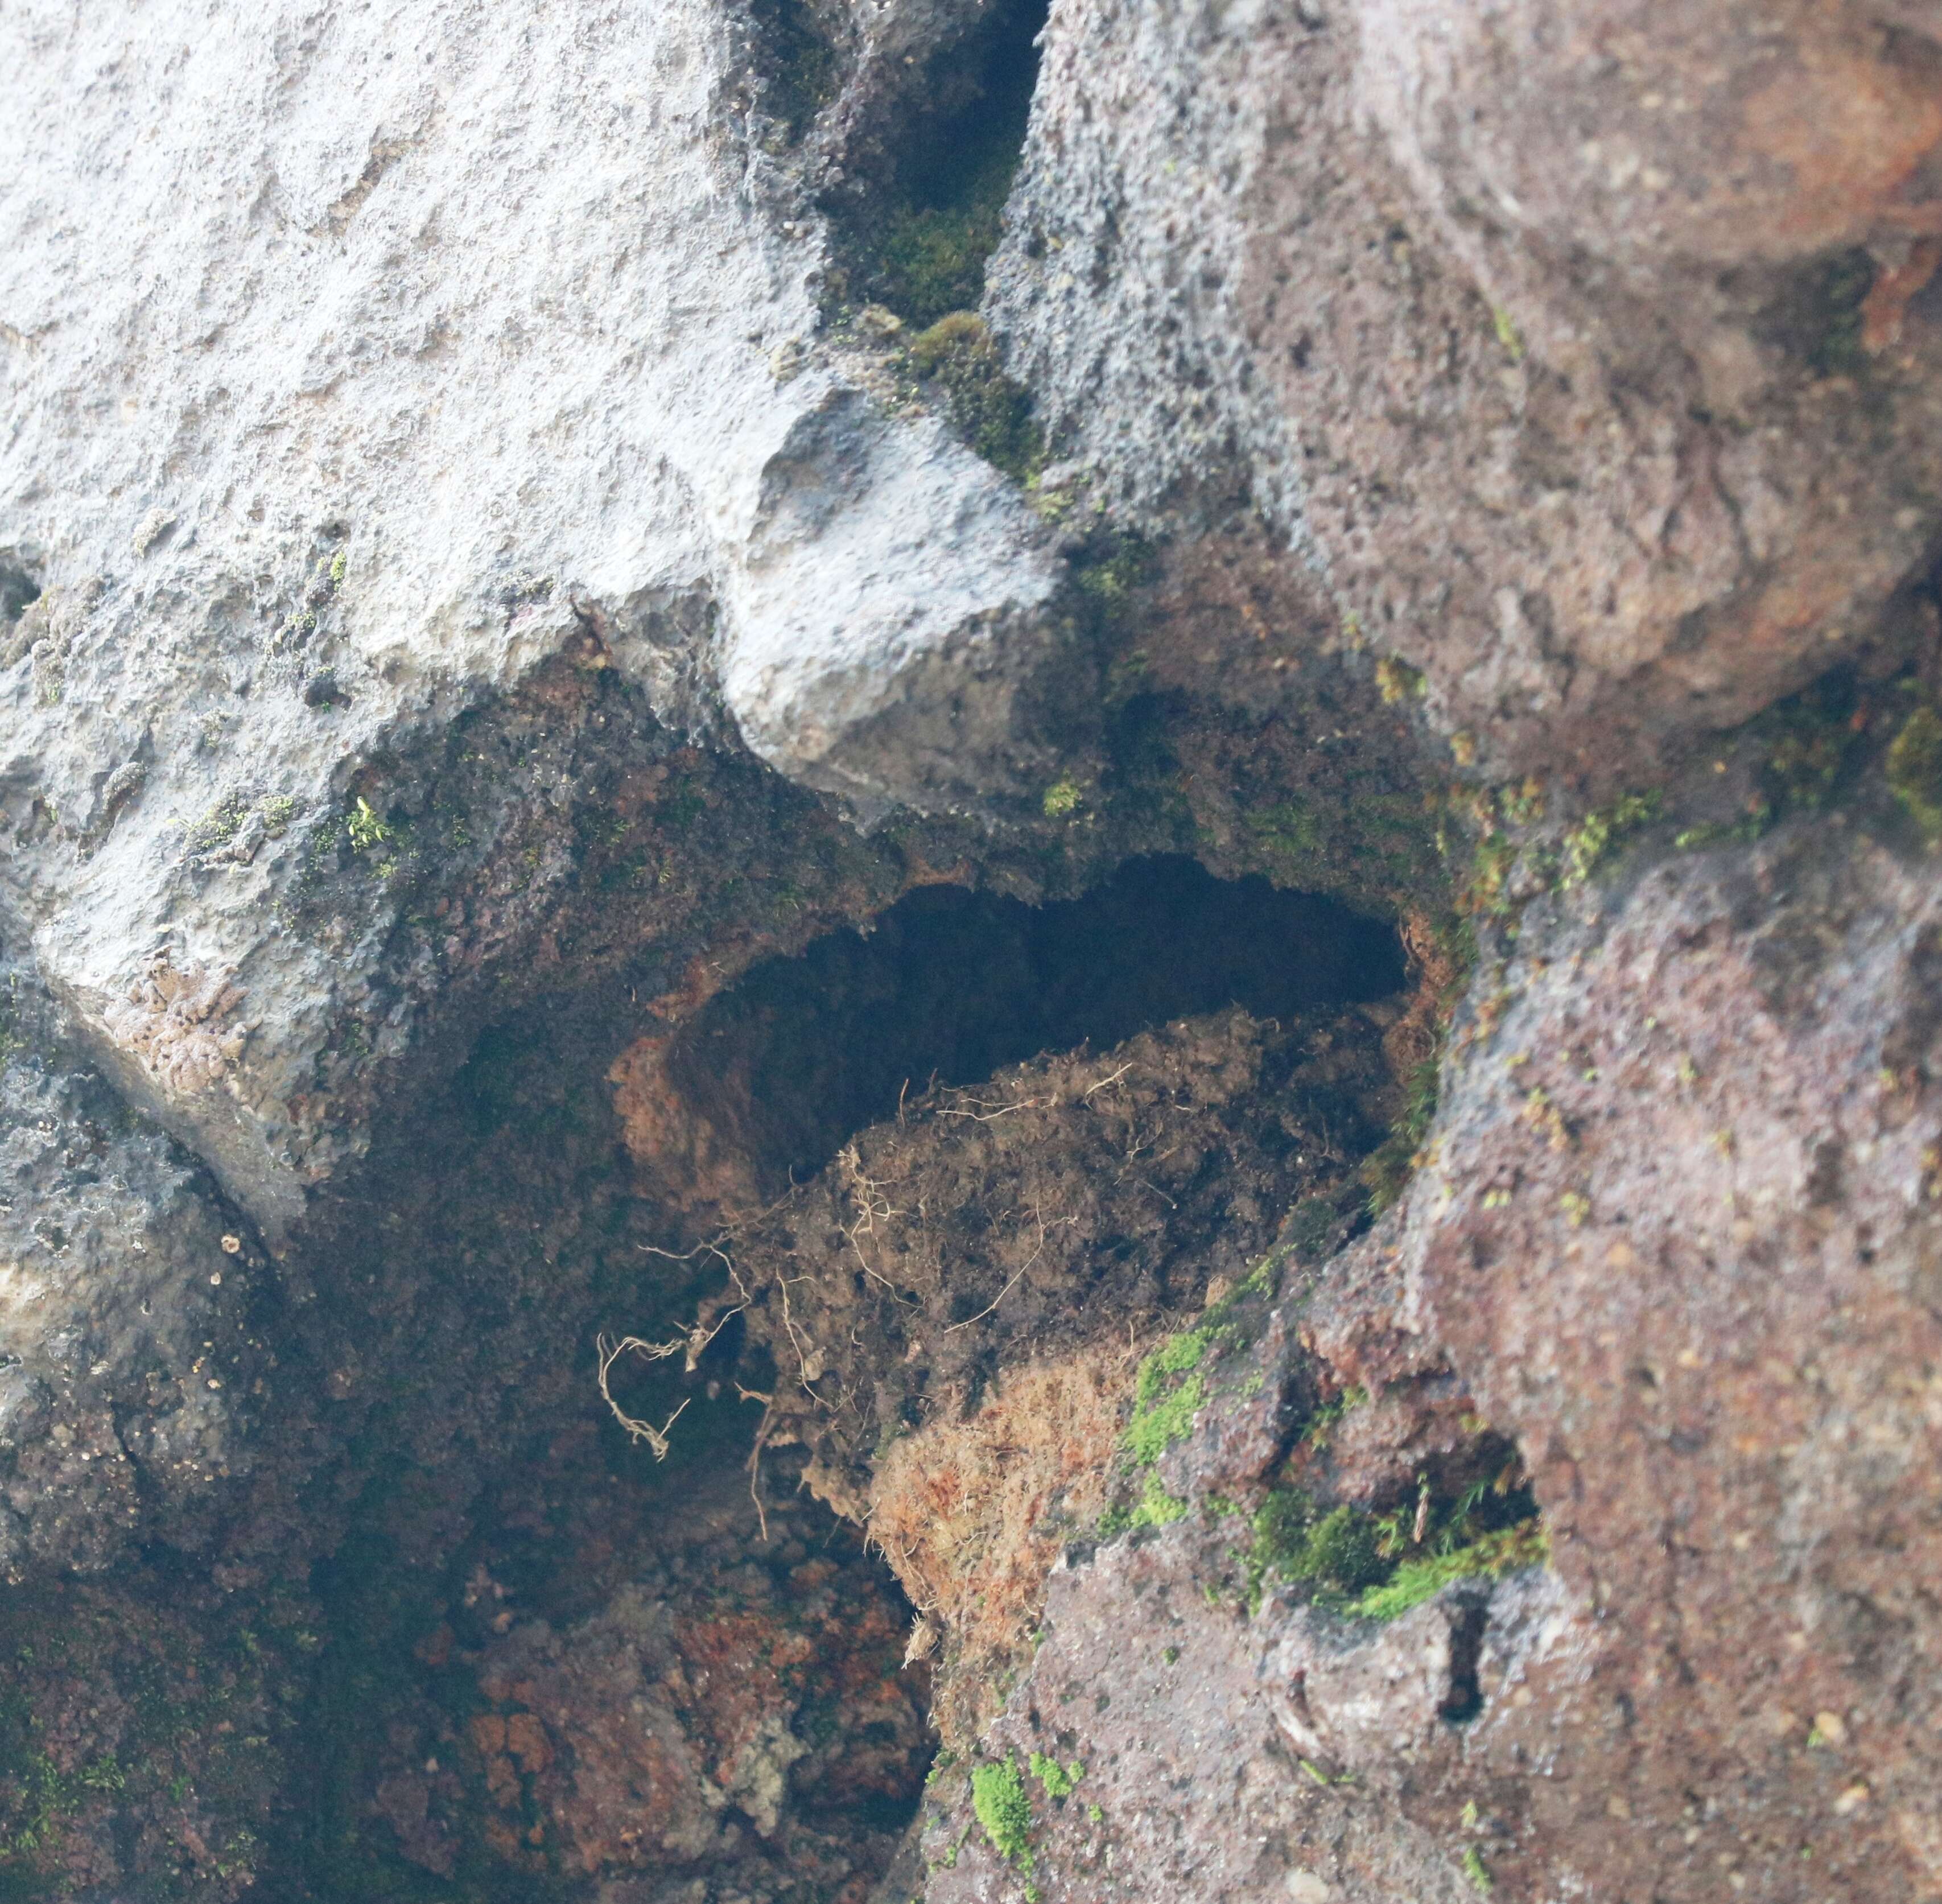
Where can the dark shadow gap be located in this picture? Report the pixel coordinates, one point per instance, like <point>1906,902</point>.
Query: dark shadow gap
<point>952,986</point>
<point>918,241</point>
<point>18,591</point>
<point>1465,1699</point>
<point>797,64</point>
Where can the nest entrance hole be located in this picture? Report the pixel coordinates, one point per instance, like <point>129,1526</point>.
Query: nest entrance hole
<point>951,986</point>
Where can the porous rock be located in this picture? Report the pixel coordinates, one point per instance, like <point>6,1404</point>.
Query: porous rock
<point>462,566</point>
<point>1578,371</point>
<point>1676,1238</point>
<point>136,1360</point>
<point>433,351</point>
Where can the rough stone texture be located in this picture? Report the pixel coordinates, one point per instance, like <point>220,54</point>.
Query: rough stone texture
<point>428,353</point>
<point>1546,336</point>
<point>145,1729</point>
<point>1678,1239</point>
<point>700,1694</point>
<point>1720,1363</point>
<point>1150,1691</point>
<point>133,1319</point>
<point>1302,1754</point>
<point>461,573</point>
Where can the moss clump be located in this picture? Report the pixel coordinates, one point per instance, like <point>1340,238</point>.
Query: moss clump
<point>1377,1566</point>
<point>1915,771</point>
<point>218,827</point>
<point>1060,1781</point>
<point>1387,1168</point>
<point>1525,1545</point>
<point>998,1797</point>
<point>993,414</point>
<point>1290,829</point>
<point>1164,1406</point>
<point>1157,1507</point>
<point>1112,568</point>
<point>918,244</point>
<point>1588,844</point>
<point>932,260</point>
<point>1486,890</point>
<point>46,1795</point>
<point>1336,1553</point>
<point>1396,680</point>
<point>1315,1435</point>
<point>1340,1551</point>
<point>1063,799</point>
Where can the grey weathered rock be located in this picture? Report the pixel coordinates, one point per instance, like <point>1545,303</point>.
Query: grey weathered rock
<point>1541,334</point>
<point>410,355</point>
<point>1148,1689</point>
<point>133,1319</point>
<point>467,568</point>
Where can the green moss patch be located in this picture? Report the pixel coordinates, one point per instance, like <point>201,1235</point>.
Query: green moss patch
<point>1525,1545</point>
<point>1335,1552</point>
<point>956,357</point>
<point>41,1796</point>
<point>998,1797</point>
<point>1060,1781</point>
<point>1377,1565</point>
<point>917,245</point>
<point>1156,1506</point>
<point>1387,1168</point>
<point>933,256</point>
<point>1599,835</point>
<point>1915,771</point>
<point>1168,1393</point>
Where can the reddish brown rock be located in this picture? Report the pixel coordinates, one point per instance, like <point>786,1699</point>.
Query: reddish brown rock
<point>1677,1244</point>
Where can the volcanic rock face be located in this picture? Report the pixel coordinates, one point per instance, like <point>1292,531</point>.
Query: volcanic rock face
<point>1216,987</point>
<point>135,1327</point>
<point>1548,335</point>
<point>1721,1379</point>
<point>650,469</point>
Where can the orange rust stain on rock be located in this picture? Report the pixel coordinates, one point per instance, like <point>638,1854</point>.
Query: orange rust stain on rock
<point>692,1163</point>
<point>1851,129</point>
<point>502,1782</point>
<point>1888,298</point>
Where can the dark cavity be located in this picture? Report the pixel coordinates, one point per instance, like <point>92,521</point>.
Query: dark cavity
<point>950,986</point>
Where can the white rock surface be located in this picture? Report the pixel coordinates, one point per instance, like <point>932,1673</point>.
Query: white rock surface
<point>462,300</point>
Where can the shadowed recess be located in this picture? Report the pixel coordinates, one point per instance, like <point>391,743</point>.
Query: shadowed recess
<point>919,242</point>
<point>953,985</point>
